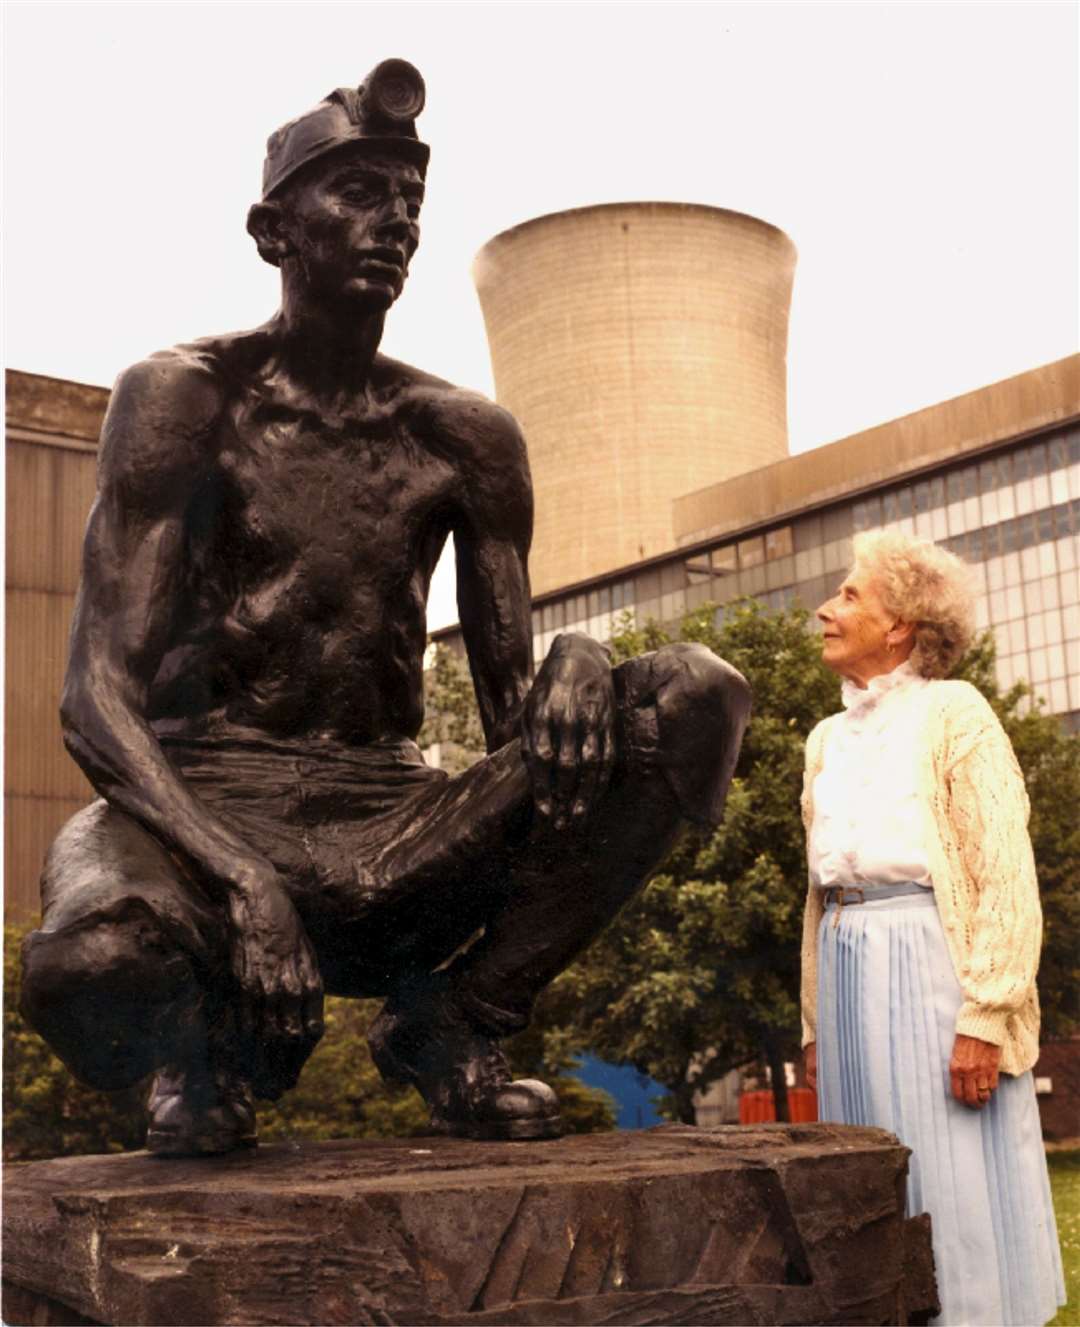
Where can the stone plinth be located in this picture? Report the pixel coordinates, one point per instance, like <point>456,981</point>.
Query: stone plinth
<point>768,1224</point>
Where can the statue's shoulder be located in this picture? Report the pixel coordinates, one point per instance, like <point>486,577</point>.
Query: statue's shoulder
<point>464,420</point>
<point>186,387</point>
<point>164,410</point>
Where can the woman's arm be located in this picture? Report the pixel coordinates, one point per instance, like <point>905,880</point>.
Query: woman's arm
<point>988,810</point>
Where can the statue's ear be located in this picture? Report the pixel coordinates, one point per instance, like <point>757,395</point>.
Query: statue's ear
<point>267,225</point>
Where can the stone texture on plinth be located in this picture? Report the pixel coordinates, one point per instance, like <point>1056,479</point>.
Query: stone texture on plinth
<point>766,1224</point>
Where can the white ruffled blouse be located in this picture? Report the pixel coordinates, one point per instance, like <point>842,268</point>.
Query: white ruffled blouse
<point>868,821</point>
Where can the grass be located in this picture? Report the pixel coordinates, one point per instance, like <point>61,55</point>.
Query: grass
<point>1065,1184</point>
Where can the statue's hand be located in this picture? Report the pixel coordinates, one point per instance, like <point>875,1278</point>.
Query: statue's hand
<point>568,730</point>
<point>281,991</point>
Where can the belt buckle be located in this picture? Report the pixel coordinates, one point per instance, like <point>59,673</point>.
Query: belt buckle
<point>838,892</point>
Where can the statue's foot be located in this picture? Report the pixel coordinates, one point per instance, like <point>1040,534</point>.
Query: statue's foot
<point>199,1115</point>
<point>461,1074</point>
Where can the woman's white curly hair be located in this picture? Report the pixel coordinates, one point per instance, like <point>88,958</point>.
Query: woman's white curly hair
<point>927,586</point>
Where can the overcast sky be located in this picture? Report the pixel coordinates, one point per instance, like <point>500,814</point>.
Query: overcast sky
<point>923,157</point>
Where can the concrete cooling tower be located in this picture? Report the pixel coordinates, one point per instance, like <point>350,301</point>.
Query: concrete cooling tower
<point>642,347</point>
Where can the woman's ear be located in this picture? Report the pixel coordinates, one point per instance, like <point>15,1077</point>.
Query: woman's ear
<point>267,225</point>
<point>900,635</point>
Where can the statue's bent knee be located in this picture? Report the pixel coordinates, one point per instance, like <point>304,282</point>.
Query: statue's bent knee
<point>702,709</point>
<point>104,994</point>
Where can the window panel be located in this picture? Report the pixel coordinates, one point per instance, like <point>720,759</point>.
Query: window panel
<point>1016,636</point>
<point>1052,623</point>
<point>939,525</point>
<point>806,533</point>
<point>1025,497</point>
<point>956,518</point>
<point>1033,597</point>
<point>905,503</point>
<point>1058,452</point>
<point>779,572</point>
<point>1074,691</point>
<point>753,580</point>
<point>1059,486</point>
<point>990,508</point>
<point>995,573</point>
<point>697,570</point>
<point>997,606</point>
<point>1021,464</point>
<point>1014,601</point>
<point>1040,491</point>
<point>1051,595</point>
<point>1056,657</point>
<point>836,524</point>
<point>954,486</point>
<point>1029,563</point>
<point>1012,568</point>
<point>778,543</point>
<point>1036,631</point>
<point>672,577</point>
<point>1069,584</point>
<point>1047,561</point>
<point>1040,665</point>
<point>937,491</point>
<point>1059,696</point>
<point>1066,553</point>
<point>923,526</point>
<point>1006,503</point>
<point>751,552</point>
<point>1070,622</point>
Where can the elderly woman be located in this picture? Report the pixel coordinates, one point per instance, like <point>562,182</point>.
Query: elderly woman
<point>922,929</point>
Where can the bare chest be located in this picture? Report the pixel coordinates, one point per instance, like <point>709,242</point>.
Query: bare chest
<point>353,491</point>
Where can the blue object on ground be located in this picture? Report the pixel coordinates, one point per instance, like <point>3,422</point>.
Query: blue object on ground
<point>633,1092</point>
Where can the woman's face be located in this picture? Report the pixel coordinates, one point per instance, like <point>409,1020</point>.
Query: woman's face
<point>861,638</point>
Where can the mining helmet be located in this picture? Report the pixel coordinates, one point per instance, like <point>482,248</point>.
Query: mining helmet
<point>379,113</point>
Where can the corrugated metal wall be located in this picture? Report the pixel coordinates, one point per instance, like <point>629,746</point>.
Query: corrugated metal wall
<point>50,462</point>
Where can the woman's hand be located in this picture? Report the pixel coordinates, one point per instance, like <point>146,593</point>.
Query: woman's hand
<point>810,1061</point>
<point>973,1070</point>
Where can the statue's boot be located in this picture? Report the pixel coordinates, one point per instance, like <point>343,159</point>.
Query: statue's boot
<point>459,1071</point>
<point>199,1113</point>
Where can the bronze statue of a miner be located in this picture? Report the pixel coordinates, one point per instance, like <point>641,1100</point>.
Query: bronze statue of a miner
<point>245,686</point>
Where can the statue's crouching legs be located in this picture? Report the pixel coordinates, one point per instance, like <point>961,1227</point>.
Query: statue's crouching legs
<point>116,981</point>
<point>681,716</point>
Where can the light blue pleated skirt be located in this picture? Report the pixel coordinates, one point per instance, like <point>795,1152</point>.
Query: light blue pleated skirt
<point>887,1005</point>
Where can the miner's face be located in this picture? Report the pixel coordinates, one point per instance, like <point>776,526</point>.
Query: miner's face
<point>354,223</point>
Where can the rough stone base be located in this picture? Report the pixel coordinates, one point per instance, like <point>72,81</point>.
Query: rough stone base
<point>765,1224</point>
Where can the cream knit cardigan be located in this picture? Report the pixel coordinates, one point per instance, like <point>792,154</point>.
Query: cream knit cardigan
<point>976,813</point>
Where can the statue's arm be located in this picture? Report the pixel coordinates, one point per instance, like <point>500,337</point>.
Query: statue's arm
<point>492,534</point>
<point>156,449</point>
<point>566,720</point>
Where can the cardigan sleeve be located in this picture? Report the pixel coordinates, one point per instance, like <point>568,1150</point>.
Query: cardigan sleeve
<point>988,809</point>
<point>813,910</point>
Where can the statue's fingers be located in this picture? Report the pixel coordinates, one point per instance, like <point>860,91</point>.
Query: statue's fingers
<point>590,775</point>
<point>566,777</point>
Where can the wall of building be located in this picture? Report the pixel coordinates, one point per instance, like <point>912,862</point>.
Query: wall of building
<point>642,347</point>
<point>50,456</point>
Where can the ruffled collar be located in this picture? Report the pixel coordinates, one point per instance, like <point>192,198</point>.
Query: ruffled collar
<point>860,701</point>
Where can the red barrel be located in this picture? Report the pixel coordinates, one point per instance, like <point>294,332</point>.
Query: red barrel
<point>760,1107</point>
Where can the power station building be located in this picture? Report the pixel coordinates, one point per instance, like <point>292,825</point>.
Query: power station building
<point>652,337</point>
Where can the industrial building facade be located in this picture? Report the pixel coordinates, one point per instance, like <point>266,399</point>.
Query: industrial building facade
<point>993,475</point>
